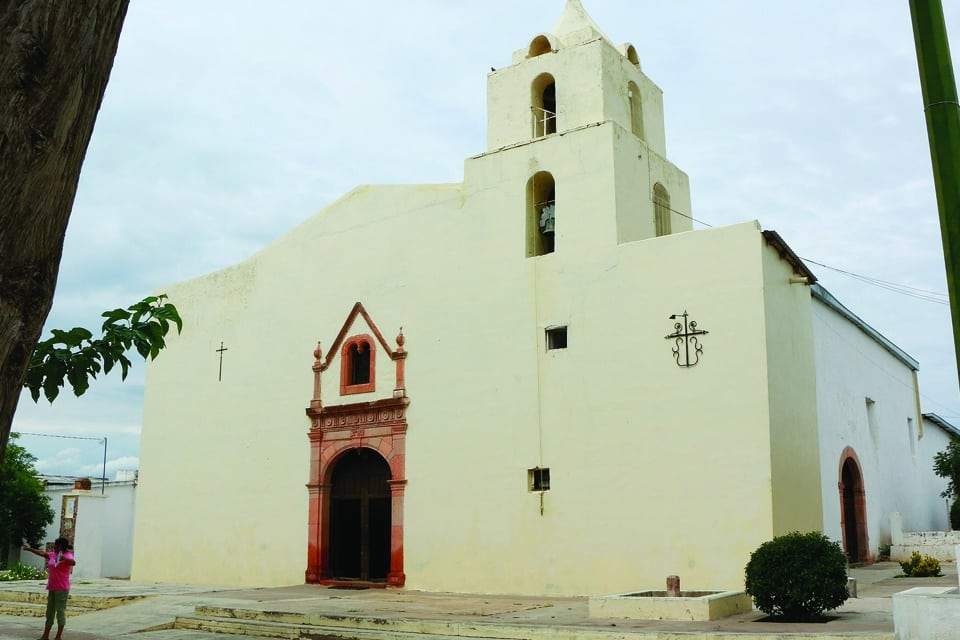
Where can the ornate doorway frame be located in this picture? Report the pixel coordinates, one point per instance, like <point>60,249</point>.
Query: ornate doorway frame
<point>380,425</point>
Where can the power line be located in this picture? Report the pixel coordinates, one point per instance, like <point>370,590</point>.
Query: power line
<point>52,435</point>
<point>103,478</point>
<point>903,289</point>
<point>907,290</point>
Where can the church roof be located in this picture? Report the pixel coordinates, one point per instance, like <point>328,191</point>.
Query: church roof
<point>824,296</point>
<point>821,294</point>
<point>943,424</point>
<point>575,19</point>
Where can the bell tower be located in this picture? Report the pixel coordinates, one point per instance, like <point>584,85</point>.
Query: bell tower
<point>572,87</point>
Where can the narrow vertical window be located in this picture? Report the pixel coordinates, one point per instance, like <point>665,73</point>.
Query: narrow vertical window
<point>358,366</point>
<point>541,214</point>
<point>661,210</point>
<point>359,363</point>
<point>544,105</point>
<point>636,109</point>
<point>912,436</point>
<point>872,424</point>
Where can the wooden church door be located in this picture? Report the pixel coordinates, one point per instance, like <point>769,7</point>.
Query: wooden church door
<point>360,514</point>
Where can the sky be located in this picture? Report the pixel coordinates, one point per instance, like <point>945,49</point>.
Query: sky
<point>228,122</point>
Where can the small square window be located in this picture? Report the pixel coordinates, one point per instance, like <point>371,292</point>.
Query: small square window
<point>538,479</point>
<point>556,338</point>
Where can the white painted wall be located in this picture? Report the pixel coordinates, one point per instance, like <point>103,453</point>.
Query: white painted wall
<point>111,524</point>
<point>88,539</point>
<point>117,527</point>
<point>934,440</point>
<point>897,464</point>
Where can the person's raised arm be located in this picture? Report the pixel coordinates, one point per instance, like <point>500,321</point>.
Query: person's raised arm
<point>36,552</point>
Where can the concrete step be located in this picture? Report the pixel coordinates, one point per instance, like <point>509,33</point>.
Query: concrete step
<point>279,624</point>
<point>286,630</point>
<point>36,610</point>
<point>79,601</point>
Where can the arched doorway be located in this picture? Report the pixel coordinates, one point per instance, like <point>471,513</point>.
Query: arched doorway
<point>360,517</point>
<point>853,508</point>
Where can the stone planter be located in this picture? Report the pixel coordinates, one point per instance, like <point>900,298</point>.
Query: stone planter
<point>658,605</point>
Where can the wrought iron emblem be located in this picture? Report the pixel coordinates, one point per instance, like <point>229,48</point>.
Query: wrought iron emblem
<point>686,336</point>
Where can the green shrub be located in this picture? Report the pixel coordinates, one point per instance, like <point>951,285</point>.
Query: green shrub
<point>798,576</point>
<point>22,571</point>
<point>955,515</point>
<point>884,552</point>
<point>921,566</point>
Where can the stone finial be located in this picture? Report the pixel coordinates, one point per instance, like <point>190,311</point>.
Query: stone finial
<point>673,586</point>
<point>315,402</point>
<point>400,340</point>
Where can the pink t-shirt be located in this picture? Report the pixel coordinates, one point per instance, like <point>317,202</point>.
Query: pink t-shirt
<point>58,572</point>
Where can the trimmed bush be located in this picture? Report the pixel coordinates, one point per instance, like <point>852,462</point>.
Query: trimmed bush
<point>955,515</point>
<point>921,566</point>
<point>798,576</point>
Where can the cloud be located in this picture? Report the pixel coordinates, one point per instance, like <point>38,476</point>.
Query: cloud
<point>69,457</point>
<point>113,465</point>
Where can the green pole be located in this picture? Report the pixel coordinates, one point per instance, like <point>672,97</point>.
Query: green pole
<point>943,129</point>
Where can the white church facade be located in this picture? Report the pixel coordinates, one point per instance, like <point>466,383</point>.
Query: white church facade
<point>540,380</point>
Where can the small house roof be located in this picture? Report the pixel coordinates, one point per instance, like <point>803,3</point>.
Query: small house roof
<point>943,424</point>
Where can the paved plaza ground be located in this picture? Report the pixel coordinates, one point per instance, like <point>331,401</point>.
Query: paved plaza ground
<point>170,612</point>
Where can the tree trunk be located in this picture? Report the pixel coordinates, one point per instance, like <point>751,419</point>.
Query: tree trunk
<point>55,60</point>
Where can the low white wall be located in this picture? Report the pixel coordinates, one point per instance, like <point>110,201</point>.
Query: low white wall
<point>114,521</point>
<point>941,545</point>
<point>927,613</point>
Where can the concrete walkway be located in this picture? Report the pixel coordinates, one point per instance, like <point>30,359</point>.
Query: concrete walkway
<point>171,612</point>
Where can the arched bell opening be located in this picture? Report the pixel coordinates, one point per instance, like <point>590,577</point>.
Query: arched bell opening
<point>543,105</point>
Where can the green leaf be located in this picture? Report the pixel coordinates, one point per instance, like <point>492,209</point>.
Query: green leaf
<point>76,356</point>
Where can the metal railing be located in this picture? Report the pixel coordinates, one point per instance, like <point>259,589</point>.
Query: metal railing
<point>544,121</point>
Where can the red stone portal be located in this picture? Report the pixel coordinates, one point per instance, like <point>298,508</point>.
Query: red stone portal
<point>380,425</point>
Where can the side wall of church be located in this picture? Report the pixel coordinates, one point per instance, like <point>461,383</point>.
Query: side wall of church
<point>883,432</point>
<point>792,397</point>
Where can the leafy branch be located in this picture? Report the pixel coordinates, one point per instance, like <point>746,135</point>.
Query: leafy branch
<point>75,356</point>
<point>946,464</point>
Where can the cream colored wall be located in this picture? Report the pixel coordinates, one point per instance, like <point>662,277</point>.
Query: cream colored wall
<point>792,397</point>
<point>628,434</point>
<point>576,69</point>
<point>618,72</point>
<point>224,464</point>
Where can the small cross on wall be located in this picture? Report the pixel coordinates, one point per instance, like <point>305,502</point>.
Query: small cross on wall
<point>220,351</point>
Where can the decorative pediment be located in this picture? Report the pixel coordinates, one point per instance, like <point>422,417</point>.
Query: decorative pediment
<point>358,352</point>
<point>358,310</point>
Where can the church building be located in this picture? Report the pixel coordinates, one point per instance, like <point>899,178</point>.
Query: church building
<point>540,380</point>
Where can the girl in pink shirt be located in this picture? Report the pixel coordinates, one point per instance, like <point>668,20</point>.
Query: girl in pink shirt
<point>60,563</point>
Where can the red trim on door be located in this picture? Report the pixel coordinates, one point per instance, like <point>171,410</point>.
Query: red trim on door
<point>380,425</point>
<point>859,507</point>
